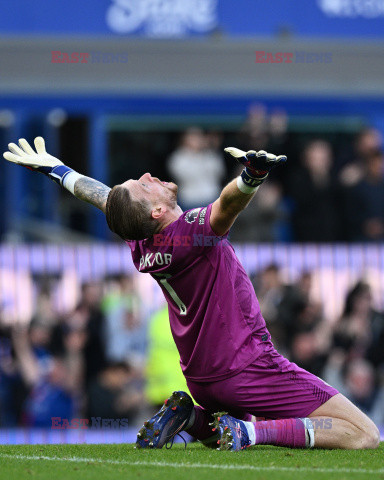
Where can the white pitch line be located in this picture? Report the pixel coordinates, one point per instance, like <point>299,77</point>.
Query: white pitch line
<point>192,465</point>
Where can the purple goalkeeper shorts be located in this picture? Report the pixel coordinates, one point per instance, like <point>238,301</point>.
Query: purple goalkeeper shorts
<point>271,387</point>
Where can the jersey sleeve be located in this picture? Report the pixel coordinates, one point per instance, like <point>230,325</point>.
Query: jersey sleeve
<point>195,225</point>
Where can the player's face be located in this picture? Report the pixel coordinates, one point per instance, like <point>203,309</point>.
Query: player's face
<point>153,190</point>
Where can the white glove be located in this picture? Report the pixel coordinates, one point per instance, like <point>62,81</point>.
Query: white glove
<point>25,155</point>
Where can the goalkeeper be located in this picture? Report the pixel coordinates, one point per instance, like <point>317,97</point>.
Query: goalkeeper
<point>226,353</point>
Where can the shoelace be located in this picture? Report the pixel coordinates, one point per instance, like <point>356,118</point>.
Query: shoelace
<point>173,439</point>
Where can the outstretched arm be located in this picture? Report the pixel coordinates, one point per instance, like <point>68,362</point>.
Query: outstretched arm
<point>238,193</point>
<point>227,207</point>
<point>82,187</point>
<point>92,191</point>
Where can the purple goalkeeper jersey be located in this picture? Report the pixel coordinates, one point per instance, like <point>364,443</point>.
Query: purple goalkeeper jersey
<point>213,310</point>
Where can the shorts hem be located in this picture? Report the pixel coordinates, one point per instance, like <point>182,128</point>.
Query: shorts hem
<point>319,403</point>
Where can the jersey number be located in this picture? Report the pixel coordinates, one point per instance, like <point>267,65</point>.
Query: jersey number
<point>163,278</point>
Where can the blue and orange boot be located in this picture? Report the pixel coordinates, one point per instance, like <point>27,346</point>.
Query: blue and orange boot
<point>171,419</point>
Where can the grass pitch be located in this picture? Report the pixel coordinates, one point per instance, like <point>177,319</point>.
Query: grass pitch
<point>59,462</point>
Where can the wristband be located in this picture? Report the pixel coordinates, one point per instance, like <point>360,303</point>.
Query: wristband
<point>58,173</point>
<point>70,180</point>
<point>65,176</point>
<point>244,188</point>
<point>247,183</point>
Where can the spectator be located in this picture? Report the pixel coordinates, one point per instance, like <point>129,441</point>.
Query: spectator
<point>360,327</point>
<point>52,381</point>
<point>163,372</point>
<point>368,141</point>
<point>254,133</point>
<point>262,131</point>
<point>306,353</point>
<point>88,317</point>
<point>117,393</point>
<point>264,220</point>
<point>197,169</point>
<point>297,313</point>
<point>44,314</point>
<point>287,309</point>
<point>9,384</point>
<point>361,387</point>
<point>125,331</point>
<point>270,289</point>
<point>364,202</point>
<point>313,191</point>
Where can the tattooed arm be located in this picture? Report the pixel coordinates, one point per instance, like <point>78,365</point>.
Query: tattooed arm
<point>92,191</point>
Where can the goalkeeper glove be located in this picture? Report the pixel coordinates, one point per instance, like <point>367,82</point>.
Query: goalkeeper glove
<point>257,166</point>
<point>39,161</point>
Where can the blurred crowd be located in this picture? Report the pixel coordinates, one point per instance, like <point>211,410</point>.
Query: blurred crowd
<point>325,192</point>
<point>105,360</point>
<point>101,360</point>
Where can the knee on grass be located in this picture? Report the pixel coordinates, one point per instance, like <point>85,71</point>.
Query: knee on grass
<point>367,439</point>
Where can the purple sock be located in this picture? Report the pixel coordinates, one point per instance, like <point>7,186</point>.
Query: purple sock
<point>201,428</point>
<point>288,432</point>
